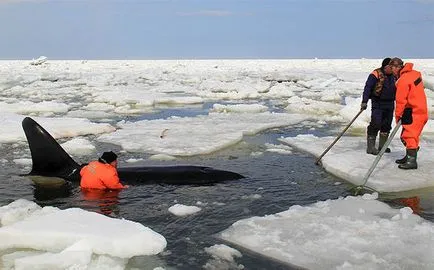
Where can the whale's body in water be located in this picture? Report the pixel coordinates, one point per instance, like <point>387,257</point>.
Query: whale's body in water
<point>51,160</point>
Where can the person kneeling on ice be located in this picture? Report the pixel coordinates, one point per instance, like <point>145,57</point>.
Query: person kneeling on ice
<point>101,173</point>
<point>411,109</point>
<point>380,88</point>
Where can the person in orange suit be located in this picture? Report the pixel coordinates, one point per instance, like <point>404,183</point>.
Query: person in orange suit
<point>411,108</point>
<point>101,174</point>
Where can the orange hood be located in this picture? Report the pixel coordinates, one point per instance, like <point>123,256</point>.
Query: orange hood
<point>407,67</point>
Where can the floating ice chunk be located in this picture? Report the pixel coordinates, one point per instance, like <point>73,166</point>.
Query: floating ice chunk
<point>39,61</point>
<point>77,256</point>
<point>310,106</point>
<point>78,146</point>
<point>223,257</point>
<point>279,148</point>
<point>282,90</point>
<point>28,107</point>
<point>354,231</point>
<point>224,252</point>
<point>183,210</point>
<point>133,160</point>
<point>27,226</point>
<point>12,130</point>
<point>188,136</point>
<point>351,109</point>
<point>327,82</point>
<point>16,211</point>
<point>240,108</point>
<point>23,161</point>
<point>99,107</point>
<point>348,160</point>
<point>162,157</point>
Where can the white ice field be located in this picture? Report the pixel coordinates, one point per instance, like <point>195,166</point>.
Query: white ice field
<point>73,99</point>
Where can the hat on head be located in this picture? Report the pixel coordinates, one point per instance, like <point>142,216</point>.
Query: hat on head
<point>108,157</point>
<point>385,62</point>
<point>396,62</point>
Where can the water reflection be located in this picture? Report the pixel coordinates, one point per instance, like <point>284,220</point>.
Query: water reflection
<point>421,201</point>
<point>52,188</point>
<point>102,201</point>
<point>412,202</point>
<point>42,193</point>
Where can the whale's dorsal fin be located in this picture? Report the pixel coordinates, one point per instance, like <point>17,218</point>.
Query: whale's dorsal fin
<point>48,157</point>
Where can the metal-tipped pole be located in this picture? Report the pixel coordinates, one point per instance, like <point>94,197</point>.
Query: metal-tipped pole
<point>339,136</point>
<point>377,159</point>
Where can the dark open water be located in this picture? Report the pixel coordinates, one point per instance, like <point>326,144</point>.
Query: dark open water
<point>273,183</point>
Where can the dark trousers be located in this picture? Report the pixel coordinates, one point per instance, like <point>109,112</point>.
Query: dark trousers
<point>381,118</point>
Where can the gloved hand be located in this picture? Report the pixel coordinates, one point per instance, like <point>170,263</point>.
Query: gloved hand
<point>363,106</point>
<point>407,116</point>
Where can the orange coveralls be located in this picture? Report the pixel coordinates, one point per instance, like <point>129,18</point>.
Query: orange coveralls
<point>99,175</point>
<point>410,93</point>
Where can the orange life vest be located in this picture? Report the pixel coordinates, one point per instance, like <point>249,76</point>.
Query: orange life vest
<point>378,73</point>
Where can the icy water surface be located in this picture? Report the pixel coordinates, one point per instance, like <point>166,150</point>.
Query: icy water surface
<point>273,183</point>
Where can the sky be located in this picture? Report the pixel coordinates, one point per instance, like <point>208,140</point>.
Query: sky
<point>216,29</point>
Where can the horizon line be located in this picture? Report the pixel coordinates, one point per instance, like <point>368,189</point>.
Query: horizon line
<point>208,58</point>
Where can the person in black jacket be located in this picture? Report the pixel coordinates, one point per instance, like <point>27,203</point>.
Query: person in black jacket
<point>380,88</point>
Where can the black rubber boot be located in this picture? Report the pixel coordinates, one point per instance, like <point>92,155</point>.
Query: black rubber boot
<point>402,160</point>
<point>371,149</point>
<point>411,163</point>
<point>383,138</point>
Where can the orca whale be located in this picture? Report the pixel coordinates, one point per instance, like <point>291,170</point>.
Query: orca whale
<point>51,160</point>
